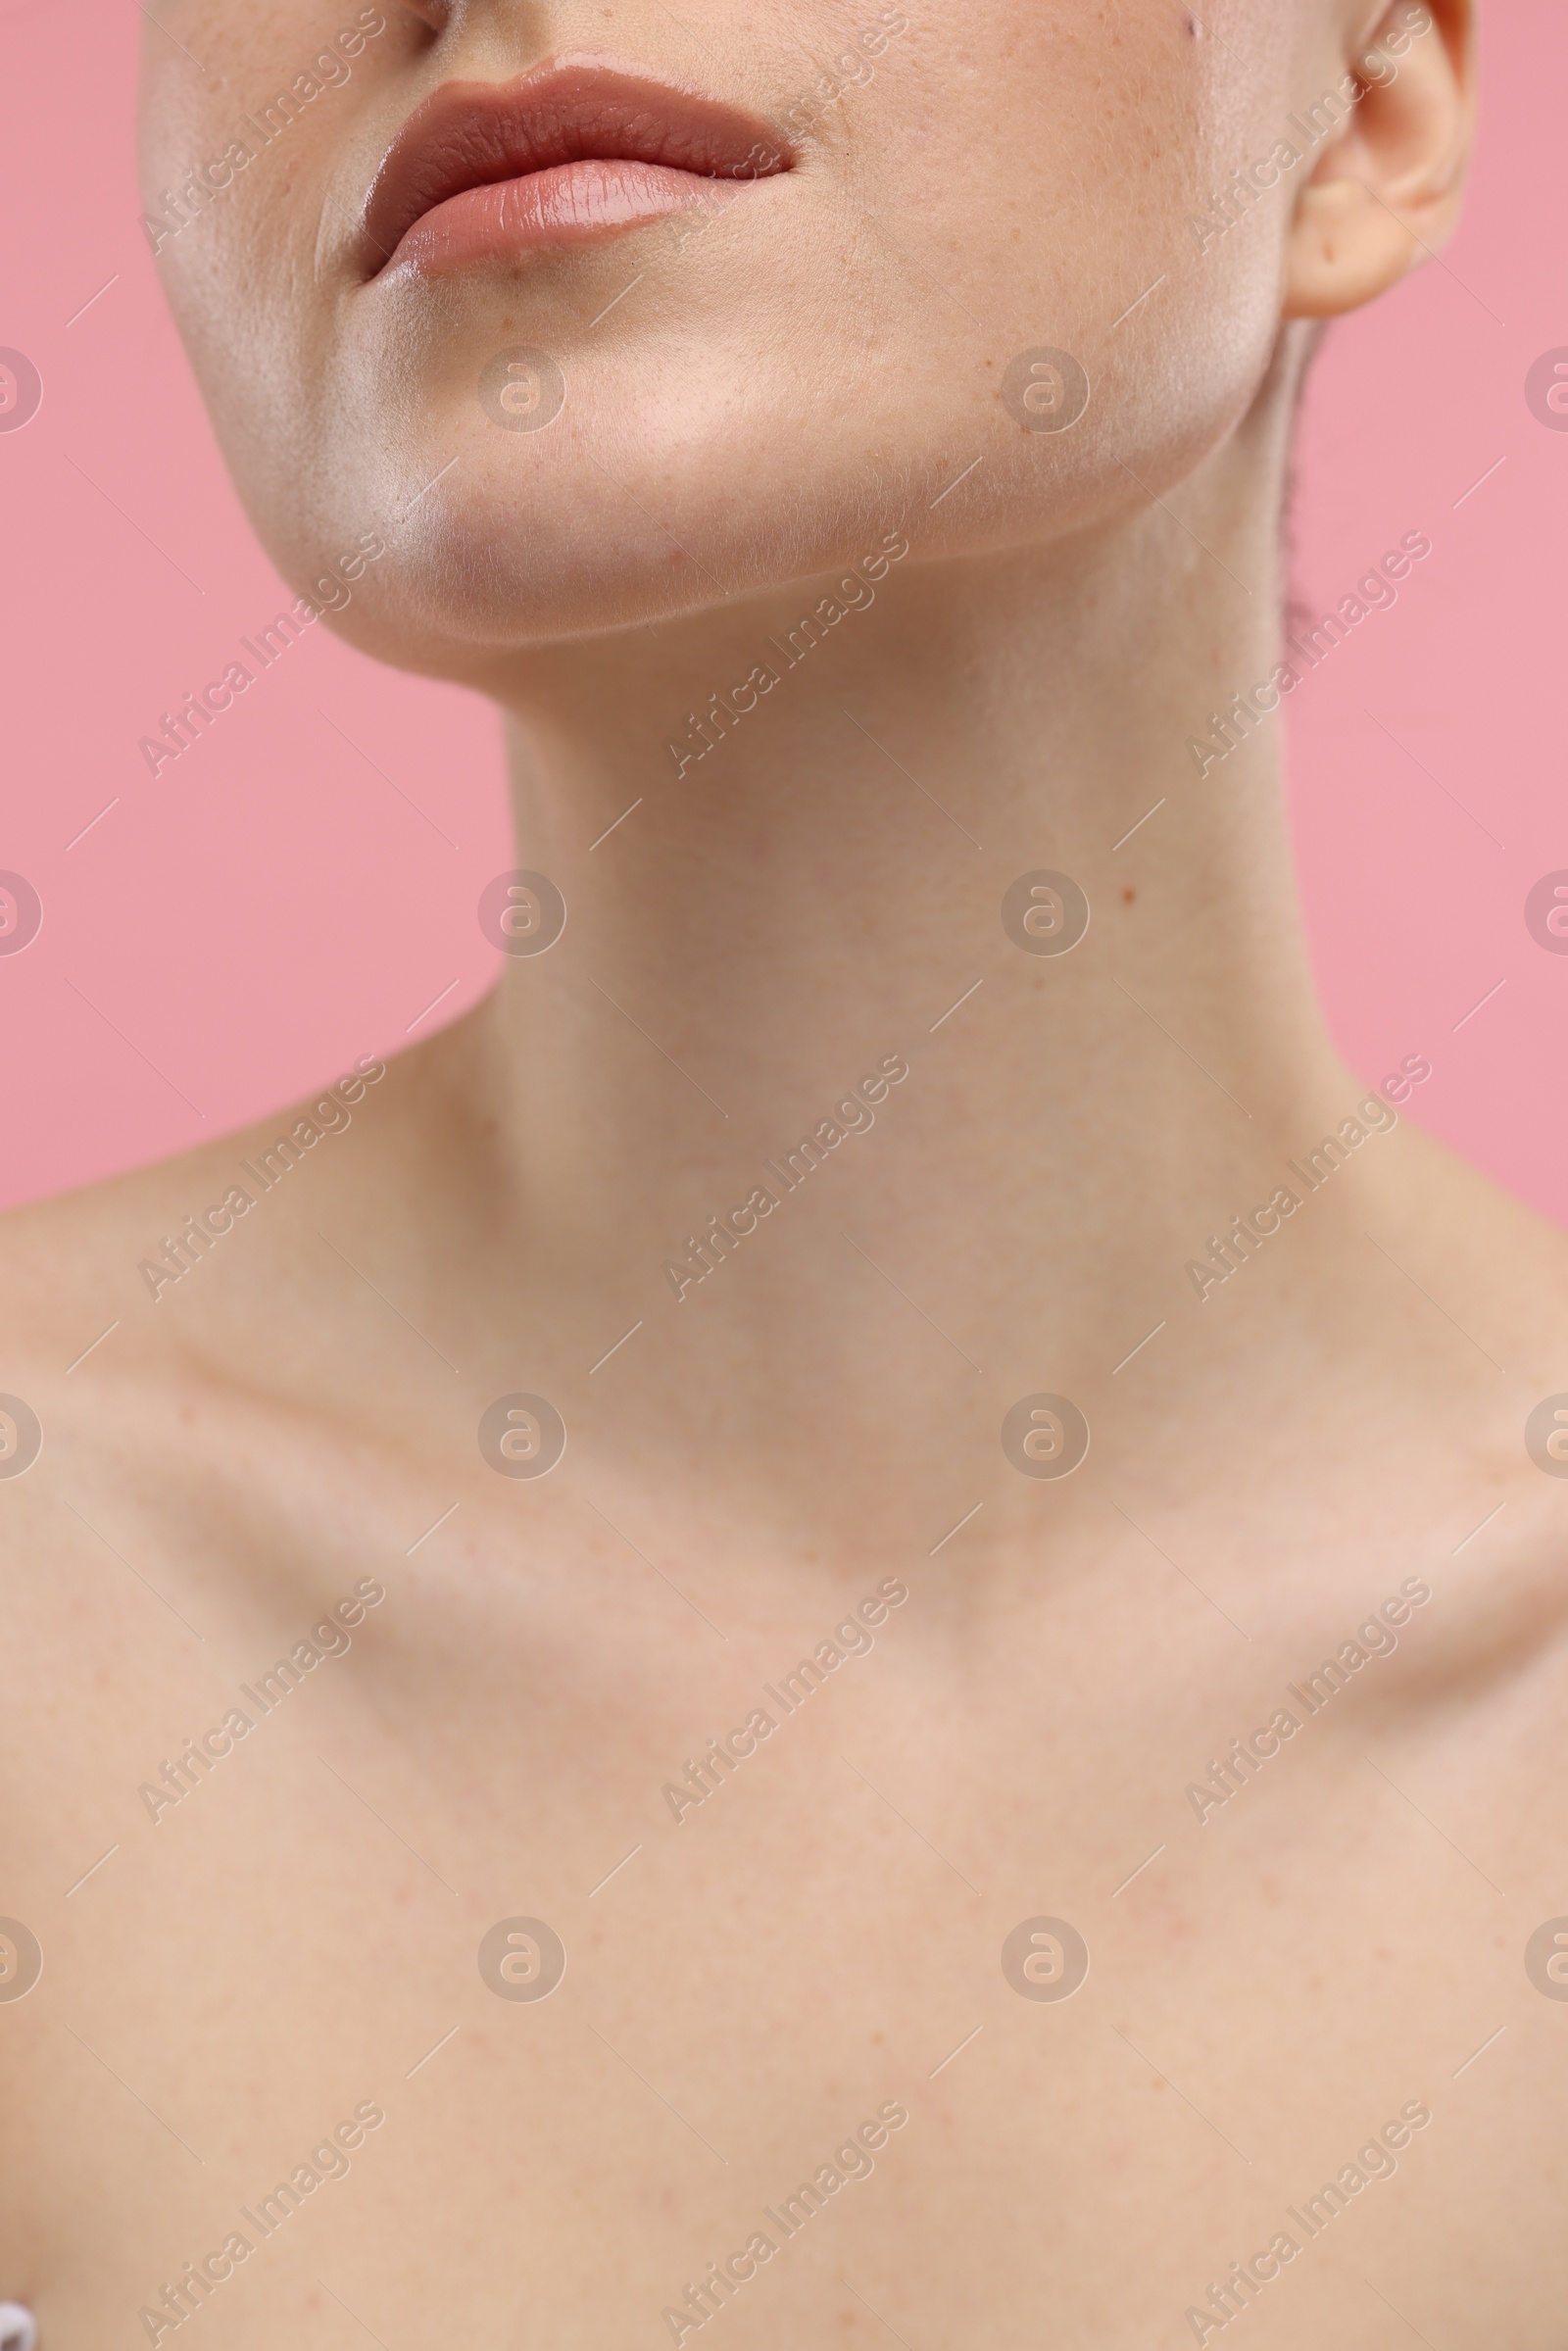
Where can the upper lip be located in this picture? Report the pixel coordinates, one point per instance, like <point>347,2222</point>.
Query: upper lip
<point>468,134</point>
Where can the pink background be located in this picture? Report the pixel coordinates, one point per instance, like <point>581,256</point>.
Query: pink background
<point>277,903</point>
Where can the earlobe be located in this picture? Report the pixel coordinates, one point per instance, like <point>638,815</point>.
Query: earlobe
<point>1386,192</point>
<point>1347,246</point>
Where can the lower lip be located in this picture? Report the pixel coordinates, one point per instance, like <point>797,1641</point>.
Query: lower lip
<point>570,204</point>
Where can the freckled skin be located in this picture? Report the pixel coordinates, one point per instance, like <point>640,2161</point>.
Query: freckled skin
<point>294,388</point>
<point>749,413</point>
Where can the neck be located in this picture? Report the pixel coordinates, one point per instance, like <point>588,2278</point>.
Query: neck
<point>819,899</point>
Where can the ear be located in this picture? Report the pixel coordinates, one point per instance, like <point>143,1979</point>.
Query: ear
<point>1387,187</point>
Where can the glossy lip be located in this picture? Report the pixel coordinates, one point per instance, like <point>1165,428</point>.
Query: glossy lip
<point>574,150</point>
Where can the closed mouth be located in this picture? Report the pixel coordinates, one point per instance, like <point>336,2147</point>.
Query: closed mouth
<point>571,152</point>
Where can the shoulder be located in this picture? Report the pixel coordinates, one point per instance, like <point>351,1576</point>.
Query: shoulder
<point>1480,1282</point>
<point>89,1266</point>
<point>141,1300</point>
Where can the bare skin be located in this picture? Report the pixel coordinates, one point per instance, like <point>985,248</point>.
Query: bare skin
<point>810,1439</point>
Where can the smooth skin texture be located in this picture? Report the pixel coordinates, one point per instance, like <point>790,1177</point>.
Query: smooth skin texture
<point>1269,1985</point>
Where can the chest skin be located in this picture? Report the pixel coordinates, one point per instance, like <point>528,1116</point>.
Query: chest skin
<point>470,1994</point>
